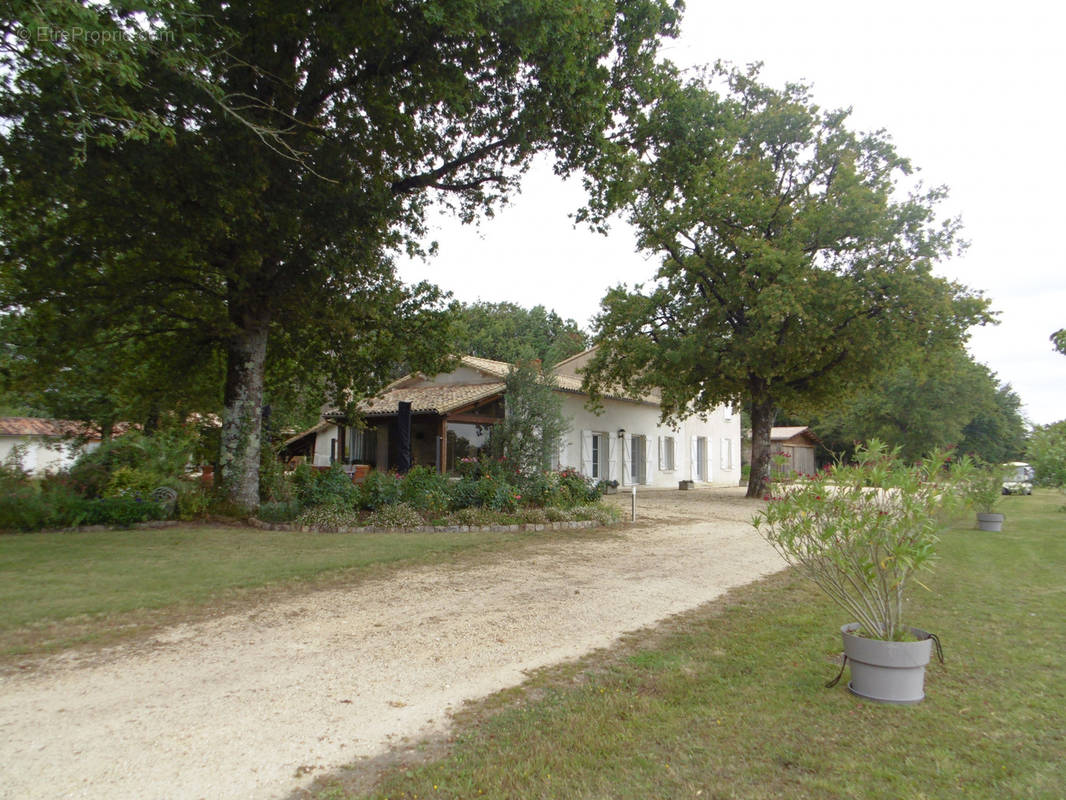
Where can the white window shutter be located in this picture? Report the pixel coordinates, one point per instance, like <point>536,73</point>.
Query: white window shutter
<point>627,460</point>
<point>694,462</point>
<point>586,453</point>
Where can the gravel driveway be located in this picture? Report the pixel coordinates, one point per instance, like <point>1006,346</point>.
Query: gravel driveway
<point>253,705</point>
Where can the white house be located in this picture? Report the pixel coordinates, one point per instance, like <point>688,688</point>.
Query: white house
<point>453,413</point>
<point>627,443</point>
<point>49,444</point>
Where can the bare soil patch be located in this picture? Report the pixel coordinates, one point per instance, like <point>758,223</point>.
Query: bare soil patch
<point>257,702</point>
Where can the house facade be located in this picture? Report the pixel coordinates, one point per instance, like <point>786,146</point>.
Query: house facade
<point>626,442</point>
<point>452,415</point>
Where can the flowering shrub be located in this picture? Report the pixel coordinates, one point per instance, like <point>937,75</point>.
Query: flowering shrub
<point>580,490</point>
<point>398,515</point>
<point>861,531</point>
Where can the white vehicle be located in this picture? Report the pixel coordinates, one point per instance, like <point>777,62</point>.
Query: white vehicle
<point>1020,480</point>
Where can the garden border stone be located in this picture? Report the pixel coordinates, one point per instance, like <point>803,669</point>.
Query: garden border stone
<point>528,527</point>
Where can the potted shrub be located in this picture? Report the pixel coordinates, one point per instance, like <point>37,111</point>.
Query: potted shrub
<point>981,485</point>
<point>861,531</point>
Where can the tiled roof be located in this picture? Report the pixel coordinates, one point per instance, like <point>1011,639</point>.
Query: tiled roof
<point>783,432</point>
<point>498,368</point>
<point>438,399</point>
<point>35,426</point>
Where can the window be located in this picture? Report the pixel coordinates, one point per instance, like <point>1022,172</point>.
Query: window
<point>666,453</point>
<point>596,450</point>
<point>727,454</point>
<point>638,459</point>
<point>466,440</point>
<point>362,445</point>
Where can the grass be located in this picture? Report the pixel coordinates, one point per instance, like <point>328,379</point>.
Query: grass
<point>728,701</point>
<point>59,590</point>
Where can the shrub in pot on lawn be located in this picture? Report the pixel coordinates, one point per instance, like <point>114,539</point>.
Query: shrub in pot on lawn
<point>861,531</point>
<point>981,486</point>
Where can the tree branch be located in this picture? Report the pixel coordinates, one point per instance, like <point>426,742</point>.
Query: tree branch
<point>432,178</point>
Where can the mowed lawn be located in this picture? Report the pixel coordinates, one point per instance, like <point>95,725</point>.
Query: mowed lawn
<point>63,589</point>
<point>729,701</point>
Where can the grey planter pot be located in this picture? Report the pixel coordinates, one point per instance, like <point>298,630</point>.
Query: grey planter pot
<point>990,522</point>
<point>888,672</point>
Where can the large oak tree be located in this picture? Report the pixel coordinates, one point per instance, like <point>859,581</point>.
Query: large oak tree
<point>795,265</point>
<point>303,143</point>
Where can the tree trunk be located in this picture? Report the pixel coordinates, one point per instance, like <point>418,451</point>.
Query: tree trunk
<point>242,417</point>
<point>762,420</point>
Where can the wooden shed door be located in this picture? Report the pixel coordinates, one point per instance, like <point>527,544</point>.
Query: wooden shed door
<point>803,460</point>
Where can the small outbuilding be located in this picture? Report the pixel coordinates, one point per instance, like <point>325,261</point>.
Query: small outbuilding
<point>797,443</point>
<point>45,444</point>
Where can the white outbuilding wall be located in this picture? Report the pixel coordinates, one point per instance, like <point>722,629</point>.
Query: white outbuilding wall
<point>43,454</point>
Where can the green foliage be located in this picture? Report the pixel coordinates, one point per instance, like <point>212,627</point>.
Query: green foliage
<point>1046,453</point>
<point>131,482</point>
<point>535,424</point>
<point>302,481</point>
<point>1058,339</point>
<point>279,511</point>
<point>380,489</point>
<point>329,517</point>
<point>275,267</point>
<point>979,483</point>
<point>121,511</point>
<point>194,503</point>
<point>565,489</point>
<point>794,268</point>
<point>31,508</point>
<point>274,484</point>
<point>23,509</point>
<point>12,474</point>
<point>485,484</point>
<point>463,493</point>
<point>937,399</point>
<point>424,489</point>
<point>137,459</point>
<point>508,332</point>
<point>332,487</point>
<point>861,531</point>
<point>397,515</point>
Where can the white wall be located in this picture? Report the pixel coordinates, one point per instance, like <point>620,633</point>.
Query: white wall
<point>322,441</point>
<point>43,454</point>
<point>721,431</point>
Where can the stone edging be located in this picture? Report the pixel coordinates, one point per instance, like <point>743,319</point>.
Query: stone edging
<point>151,524</point>
<point>528,526</point>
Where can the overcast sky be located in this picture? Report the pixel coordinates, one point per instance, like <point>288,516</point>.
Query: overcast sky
<point>971,93</point>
